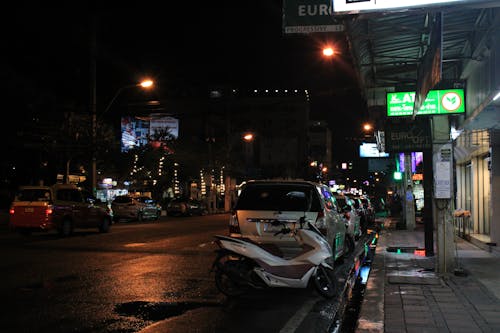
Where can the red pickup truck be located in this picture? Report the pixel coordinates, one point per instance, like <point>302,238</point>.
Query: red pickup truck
<point>61,207</point>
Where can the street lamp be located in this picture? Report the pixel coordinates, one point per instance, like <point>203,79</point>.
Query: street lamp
<point>367,127</point>
<point>368,130</point>
<point>146,84</point>
<point>328,51</point>
<point>248,137</point>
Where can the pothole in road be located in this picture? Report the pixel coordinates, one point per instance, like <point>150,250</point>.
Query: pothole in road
<point>157,311</point>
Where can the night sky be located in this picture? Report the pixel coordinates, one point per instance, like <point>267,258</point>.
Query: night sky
<point>182,45</point>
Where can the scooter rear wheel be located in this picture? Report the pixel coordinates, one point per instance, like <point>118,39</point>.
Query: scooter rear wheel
<point>324,282</point>
<point>226,268</point>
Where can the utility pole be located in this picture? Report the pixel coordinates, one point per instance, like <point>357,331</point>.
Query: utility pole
<point>93,100</point>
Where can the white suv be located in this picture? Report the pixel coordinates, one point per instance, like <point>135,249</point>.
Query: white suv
<point>263,201</point>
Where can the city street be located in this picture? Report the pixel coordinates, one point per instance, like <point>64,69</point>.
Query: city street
<point>139,276</point>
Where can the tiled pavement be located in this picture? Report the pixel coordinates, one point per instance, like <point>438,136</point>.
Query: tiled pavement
<point>404,294</point>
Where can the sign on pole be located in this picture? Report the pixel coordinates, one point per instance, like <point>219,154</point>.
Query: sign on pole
<point>366,6</point>
<point>437,102</point>
<point>304,17</point>
<point>404,135</point>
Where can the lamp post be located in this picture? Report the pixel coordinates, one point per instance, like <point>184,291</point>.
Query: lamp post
<point>248,138</point>
<point>146,84</point>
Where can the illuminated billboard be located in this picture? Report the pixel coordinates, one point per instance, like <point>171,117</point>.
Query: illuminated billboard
<point>438,102</point>
<point>370,150</point>
<point>140,131</point>
<point>160,123</point>
<point>135,133</point>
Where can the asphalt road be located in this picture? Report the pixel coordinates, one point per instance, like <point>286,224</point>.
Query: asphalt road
<point>150,277</point>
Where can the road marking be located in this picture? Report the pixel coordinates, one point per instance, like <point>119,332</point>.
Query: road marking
<point>298,317</point>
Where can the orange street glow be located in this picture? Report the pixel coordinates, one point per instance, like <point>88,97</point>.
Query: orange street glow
<point>328,51</point>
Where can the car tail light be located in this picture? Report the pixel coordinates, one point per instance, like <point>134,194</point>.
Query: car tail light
<point>12,211</point>
<point>48,211</point>
<point>234,225</point>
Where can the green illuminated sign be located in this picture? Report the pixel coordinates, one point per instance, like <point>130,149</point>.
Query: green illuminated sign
<point>437,102</point>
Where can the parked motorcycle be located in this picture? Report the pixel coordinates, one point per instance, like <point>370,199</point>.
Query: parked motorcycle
<point>241,264</point>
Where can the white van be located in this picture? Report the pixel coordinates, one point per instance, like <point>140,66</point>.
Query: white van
<point>261,202</point>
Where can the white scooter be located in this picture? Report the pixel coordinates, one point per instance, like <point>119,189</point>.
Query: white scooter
<point>242,264</point>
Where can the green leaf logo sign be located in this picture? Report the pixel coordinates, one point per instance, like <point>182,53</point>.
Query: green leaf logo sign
<point>451,101</point>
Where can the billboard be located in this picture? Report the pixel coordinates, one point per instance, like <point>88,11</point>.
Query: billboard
<point>362,6</point>
<point>438,102</point>
<point>406,135</point>
<point>140,131</point>
<point>370,150</point>
<point>135,133</point>
<point>160,123</point>
<point>309,16</point>
<point>417,160</point>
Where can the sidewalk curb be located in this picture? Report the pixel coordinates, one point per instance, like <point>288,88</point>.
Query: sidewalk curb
<point>371,316</point>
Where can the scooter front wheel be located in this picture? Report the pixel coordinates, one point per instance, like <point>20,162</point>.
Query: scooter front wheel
<point>227,269</point>
<point>324,282</point>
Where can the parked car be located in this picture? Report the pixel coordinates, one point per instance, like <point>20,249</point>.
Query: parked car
<point>370,210</point>
<point>186,207</point>
<point>350,214</point>
<point>361,210</point>
<point>63,207</point>
<point>137,208</point>
<point>263,201</point>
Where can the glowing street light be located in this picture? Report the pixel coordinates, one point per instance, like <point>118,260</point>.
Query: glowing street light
<point>328,52</point>
<point>367,127</point>
<point>146,84</point>
<point>368,130</point>
<point>248,137</point>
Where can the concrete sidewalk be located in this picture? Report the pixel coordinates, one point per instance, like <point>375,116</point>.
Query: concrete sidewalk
<point>404,294</point>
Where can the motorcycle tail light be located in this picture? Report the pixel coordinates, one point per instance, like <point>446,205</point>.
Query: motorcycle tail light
<point>234,225</point>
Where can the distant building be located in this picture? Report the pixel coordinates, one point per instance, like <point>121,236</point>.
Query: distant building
<point>320,142</point>
<point>279,122</point>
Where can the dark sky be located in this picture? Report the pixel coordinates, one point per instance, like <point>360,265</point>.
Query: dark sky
<point>234,43</point>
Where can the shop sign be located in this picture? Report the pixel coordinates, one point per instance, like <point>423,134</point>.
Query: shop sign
<point>408,136</point>
<point>367,6</point>
<point>304,17</point>
<point>438,102</point>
